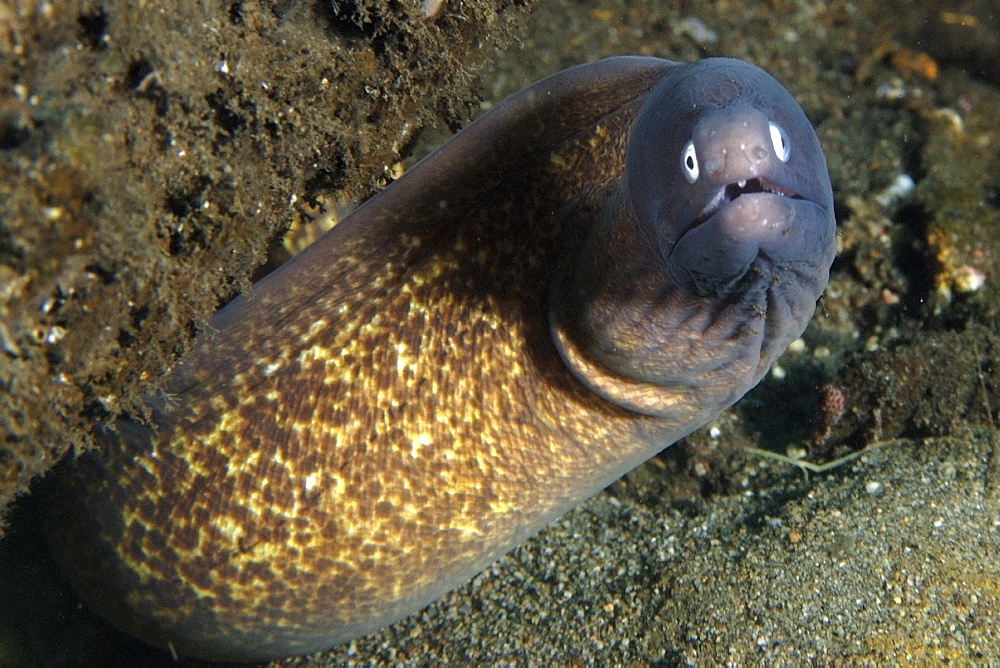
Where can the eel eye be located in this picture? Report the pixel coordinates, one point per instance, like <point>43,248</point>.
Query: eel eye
<point>779,141</point>
<point>689,162</point>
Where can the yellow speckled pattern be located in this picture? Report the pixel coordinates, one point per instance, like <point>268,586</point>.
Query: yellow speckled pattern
<point>381,417</point>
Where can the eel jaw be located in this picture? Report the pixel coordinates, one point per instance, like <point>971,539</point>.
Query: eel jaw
<point>731,191</point>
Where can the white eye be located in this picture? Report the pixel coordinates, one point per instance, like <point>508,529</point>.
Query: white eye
<point>689,162</point>
<point>782,148</point>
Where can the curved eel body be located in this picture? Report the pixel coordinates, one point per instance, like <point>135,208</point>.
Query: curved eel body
<point>589,272</point>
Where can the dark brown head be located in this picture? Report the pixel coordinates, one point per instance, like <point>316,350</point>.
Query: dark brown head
<point>710,259</point>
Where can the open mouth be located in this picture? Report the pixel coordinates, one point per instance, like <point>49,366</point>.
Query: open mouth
<point>734,190</point>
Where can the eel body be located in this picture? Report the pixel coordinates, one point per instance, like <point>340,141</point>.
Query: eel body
<point>589,272</point>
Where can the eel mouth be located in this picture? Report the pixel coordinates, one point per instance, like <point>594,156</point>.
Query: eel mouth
<point>730,192</point>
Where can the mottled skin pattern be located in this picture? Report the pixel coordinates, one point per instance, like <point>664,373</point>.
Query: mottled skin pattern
<point>387,413</point>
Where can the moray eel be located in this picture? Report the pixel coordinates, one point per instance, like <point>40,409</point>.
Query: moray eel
<point>587,273</point>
